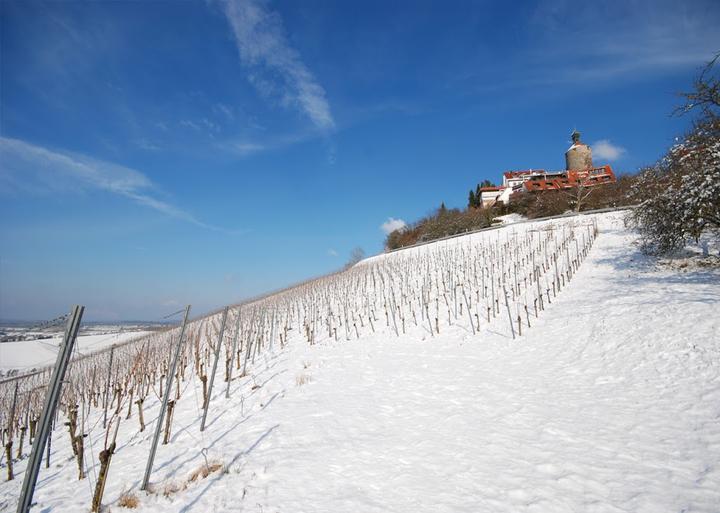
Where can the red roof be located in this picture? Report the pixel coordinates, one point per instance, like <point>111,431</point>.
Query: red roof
<point>491,189</point>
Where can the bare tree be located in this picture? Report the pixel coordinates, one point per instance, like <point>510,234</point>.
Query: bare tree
<point>578,194</point>
<point>705,94</point>
<point>356,255</point>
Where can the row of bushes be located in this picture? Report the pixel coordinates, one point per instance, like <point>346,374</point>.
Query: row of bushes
<point>441,223</point>
<point>444,222</point>
<point>550,203</point>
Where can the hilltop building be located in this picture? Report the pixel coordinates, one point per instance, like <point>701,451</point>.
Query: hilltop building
<point>579,172</point>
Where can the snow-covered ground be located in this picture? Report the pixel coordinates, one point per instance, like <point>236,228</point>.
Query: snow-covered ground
<point>610,402</point>
<point>510,218</point>
<point>28,354</point>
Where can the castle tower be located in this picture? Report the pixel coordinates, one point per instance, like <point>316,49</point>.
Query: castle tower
<point>579,156</point>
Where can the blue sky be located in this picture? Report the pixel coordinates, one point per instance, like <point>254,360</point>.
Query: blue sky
<point>154,154</point>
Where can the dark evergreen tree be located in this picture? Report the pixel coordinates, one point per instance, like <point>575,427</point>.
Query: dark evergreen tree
<point>478,196</point>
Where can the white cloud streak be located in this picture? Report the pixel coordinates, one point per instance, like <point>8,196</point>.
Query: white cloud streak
<point>30,168</point>
<point>595,44</point>
<point>276,68</point>
<point>392,224</point>
<point>245,147</point>
<point>604,149</point>
<point>589,41</point>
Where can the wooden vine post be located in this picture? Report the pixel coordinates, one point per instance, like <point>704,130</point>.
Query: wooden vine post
<point>105,457</point>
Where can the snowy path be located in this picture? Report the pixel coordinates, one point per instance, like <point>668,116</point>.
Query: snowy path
<point>610,402</point>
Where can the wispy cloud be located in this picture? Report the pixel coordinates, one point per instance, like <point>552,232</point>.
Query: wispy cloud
<point>201,125</point>
<point>589,41</point>
<point>276,68</point>
<point>332,252</point>
<point>604,149</point>
<point>581,45</point>
<point>145,144</point>
<point>246,146</point>
<point>31,168</point>
<point>392,224</point>
<point>225,110</point>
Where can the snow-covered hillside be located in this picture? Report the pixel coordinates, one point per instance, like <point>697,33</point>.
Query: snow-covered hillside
<point>609,401</point>
<point>29,354</point>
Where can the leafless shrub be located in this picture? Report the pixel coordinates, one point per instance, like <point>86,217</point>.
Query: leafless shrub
<point>171,488</point>
<point>205,470</point>
<point>128,500</point>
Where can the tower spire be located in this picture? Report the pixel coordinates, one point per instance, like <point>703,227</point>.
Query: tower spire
<point>575,136</point>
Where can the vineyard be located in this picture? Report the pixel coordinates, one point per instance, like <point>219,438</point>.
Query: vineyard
<point>492,285</point>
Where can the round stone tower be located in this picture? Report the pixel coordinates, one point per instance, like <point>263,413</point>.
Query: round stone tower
<point>579,155</point>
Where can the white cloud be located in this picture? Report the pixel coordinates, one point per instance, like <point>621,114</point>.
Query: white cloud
<point>605,150</point>
<point>332,252</point>
<point>201,125</point>
<point>35,169</point>
<point>225,110</point>
<point>572,46</point>
<point>648,36</point>
<point>392,224</point>
<point>190,124</point>
<point>145,144</point>
<point>245,148</point>
<point>277,69</point>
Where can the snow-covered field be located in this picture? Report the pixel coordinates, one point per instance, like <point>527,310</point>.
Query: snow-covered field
<point>28,354</point>
<point>610,402</point>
